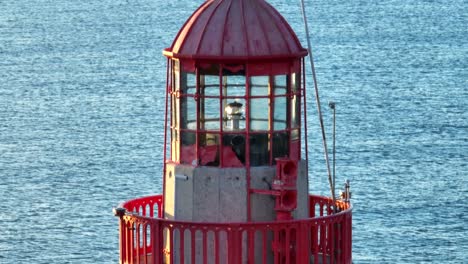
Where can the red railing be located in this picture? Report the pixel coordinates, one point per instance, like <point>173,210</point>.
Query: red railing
<point>146,238</point>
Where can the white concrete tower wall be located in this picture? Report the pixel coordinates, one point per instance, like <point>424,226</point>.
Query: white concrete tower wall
<point>212,194</point>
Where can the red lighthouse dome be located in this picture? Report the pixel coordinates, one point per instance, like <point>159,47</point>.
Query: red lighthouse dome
<point>237,30</point>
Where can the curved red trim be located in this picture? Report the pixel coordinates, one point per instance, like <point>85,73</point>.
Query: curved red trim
<point>276,57</point>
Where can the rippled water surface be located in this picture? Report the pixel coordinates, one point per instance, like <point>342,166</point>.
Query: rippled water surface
<point>81,103</point>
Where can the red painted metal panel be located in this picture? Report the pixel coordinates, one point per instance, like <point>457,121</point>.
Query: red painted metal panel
<point>234,41</point>
<point>211,40</point>
<point>295,149</point>
<point>256,35</point>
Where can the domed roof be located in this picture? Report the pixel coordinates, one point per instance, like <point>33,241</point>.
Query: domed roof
<point>236,30</point>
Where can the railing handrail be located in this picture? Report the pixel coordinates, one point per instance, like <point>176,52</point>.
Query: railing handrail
<point>135,203</point>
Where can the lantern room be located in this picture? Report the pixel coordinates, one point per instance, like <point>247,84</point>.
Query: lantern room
<point>234,86</point>
<point>234,97</point>
<point>234,77</point>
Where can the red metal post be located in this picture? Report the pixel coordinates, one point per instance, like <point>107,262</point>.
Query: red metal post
<point>247,142</point>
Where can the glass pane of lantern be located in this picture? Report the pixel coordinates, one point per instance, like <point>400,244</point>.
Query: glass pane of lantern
<point>211,113</point>
<point>233,150</point>
<point>280,113</point>
<point>210,81</point>
<point>189,112</point>
<point>259,80</point>
<point>294,134</point>
<point>280,84</point>
<point>259,107</point>
<point>233,116</point>
<point>191,84</point>
<point>210,87</point>
<point>280,145</point>
<point>259,114</point>
<point>295,82</point>
<point>175,100</point>
<point>295,101</point>
<point>209,149</point>
<point>209,102</point>
<point>187,102</point>
<point>259,154</point>
<point>234,86</point>
<point>187,149</point>
<point>295,111</point>
<point>280,103</point>
<point>233,94</point>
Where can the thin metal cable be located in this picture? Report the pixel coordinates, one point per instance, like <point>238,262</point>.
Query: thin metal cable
<point>319,109</point>
<point>333,107</point>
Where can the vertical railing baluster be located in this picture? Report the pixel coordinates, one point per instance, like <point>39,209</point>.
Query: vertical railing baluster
<point>170,230</point>
<point>323,242</point>
<point>216,246</point>
<point>182,244</point>
<point>302,243</point>
<point>251,245</point>
<point>287,245</point>
<point>132,243</point>
<point>332,242</point>
<point>192,245</point>
<point>137,248</point>
<point>145,246</point>
<point>205,247</point>
<point>122,229</point>
<point>264,245</point>
<point>276,243</point>
<point>129,241</point>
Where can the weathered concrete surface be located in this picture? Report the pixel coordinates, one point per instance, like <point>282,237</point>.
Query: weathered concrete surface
<point>302,184</point>
<point>262,205</point>
<point>179,195</point>
<point>205,194</point>
<point>220,194</point>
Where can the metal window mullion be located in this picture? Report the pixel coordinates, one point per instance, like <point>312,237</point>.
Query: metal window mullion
<point>302,93</point>
<point>221,115</point>
<point>289,97</point>
<point>247,141</point>
<point>169,83</point>
<point>176,111</point>
<point>271,109</point>
<point>197,102</point>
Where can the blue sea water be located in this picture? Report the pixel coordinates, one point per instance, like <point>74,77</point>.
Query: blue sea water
<point>81,106</point>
